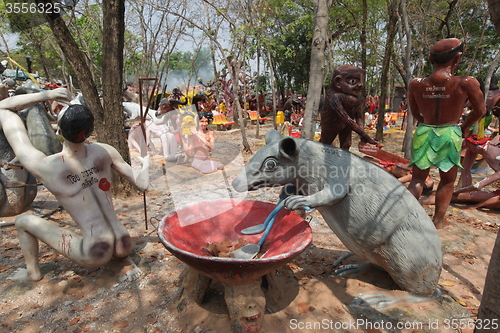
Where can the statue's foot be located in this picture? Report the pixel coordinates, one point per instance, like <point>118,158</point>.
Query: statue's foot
<point>22,274</point>
<point>182,158</point>
<point>342,258</point>
<point>130,272</point>
<point>131,275</point>
<point>441,223</point>
<point>351,269</point>
<point>380,301</point>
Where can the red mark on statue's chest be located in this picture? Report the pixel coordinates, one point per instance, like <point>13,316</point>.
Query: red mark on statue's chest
<point>104,185</point>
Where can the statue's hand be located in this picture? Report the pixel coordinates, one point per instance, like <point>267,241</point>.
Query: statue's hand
<point>61,95</point>
<point>145,161</point>
<point>142,178</point>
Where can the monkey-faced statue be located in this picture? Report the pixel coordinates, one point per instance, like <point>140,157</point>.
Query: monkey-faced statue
<point>342,112</point>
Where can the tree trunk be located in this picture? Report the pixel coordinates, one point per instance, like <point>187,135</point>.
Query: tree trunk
<point>362,40</point>
<point>112,78</point>
<point>406,148</point>
<point>273,86</point>
<point>384,80</point>
<point>494,9</point>
<point>257,94</point>
<point>108,128</point>
<point>77,60</point>
<point>489,311</point>
<point>321,9</point>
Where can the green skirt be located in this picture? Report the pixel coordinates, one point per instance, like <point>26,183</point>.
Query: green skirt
<point>438,146</point>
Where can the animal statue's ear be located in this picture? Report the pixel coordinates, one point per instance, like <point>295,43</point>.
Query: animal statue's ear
<point>272,136</point>
<point>336,82</point>
<point>288,148</point>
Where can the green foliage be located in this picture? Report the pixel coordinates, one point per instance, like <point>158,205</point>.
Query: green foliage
<point>189,62</point>
<point>86,29</point>
<point>285,28</point>
<point>22,16</point>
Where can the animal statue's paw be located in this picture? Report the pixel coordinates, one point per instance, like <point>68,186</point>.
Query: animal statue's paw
<point>380,301</point>
<point>342,258</point>
<point>294,202</point>
<point>351,269</point>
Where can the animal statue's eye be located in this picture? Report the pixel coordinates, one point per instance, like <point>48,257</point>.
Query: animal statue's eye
<point>270,164</point>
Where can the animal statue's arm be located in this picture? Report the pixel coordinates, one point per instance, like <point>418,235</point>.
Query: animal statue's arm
<point>346,119</point>
<point>329,195</point>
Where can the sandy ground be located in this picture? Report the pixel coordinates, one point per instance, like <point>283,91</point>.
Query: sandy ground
<point>305,296</point>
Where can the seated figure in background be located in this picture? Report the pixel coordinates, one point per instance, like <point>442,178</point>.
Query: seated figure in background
<point>203,141</point>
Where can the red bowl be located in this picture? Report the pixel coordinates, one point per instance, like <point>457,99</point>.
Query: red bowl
<point>185,231</point>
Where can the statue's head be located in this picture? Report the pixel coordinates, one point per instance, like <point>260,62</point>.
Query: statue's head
<point>348,80</point>
<point>169,104</point>
<point>177,91</point>
<point>77,123</point>
<point>446,50</point>
<point>246,305</point>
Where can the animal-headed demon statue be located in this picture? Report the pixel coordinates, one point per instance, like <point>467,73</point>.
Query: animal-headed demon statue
<point>342,112</point>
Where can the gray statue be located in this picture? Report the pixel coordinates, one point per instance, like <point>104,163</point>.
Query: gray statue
<point>18,188</point>
<point>370,211</point>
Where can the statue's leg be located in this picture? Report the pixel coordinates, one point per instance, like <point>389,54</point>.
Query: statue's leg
<point>416,186</point>
<point>329,131</point>
<point>93,252</point>
<point>468,161</point>
<point>444,193</point>
<point>345,138</point>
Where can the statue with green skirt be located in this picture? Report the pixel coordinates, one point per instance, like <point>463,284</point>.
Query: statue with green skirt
<point>437,103</point>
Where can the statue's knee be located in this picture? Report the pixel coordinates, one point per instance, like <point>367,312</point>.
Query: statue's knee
<point>98,254</point>
<point>123,246</point>
<point>24,221</point>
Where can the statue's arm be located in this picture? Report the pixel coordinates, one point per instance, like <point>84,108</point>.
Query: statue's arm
<point>481,184</point>
<point>476,100</point>
<point>21,102</point>
<point>17,136</point>
<point>414,109</point>
<point>139,179</point>
<point>353,124</point>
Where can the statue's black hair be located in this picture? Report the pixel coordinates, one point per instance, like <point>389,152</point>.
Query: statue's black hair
<point>446,56</point>
<point>207,115</point>
<point>77,123</point>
